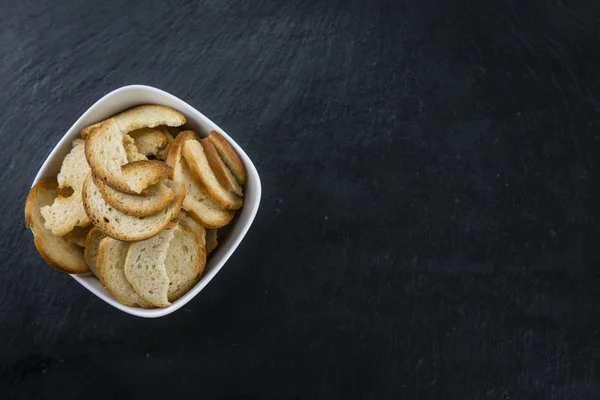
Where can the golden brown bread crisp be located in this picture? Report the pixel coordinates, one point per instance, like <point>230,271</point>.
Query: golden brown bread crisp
<point>229,156</point>
<point>53,249</point>
<point>194,155</point>
<point>197,202</point>
<point>221,171</point>
<point>128,228</point>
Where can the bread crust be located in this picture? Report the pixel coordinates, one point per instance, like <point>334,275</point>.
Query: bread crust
<point>132,269</point>
<point>196,270</point>
<point>109,152</point>
<point>176,148</point>
<point>210,217</point>
<point>194,155</point>
<point>221,171</point>
<point>229,156</point>
<point>66,211</point>
<point>168,116</point>
<point>153,199</point>
<point>131,299</point>
<point>32,206</point>
<point>117,230</point>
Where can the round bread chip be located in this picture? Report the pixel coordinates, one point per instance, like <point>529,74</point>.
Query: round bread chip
<point>185,261</point>
<point>110,270</point>
<point>221,171</point>
<point>153,199</point>
<point>107,149</point>
<point>229,156</point>
<point>145,116</point>
<point>66,211</point>
<point>197,202</point>
<point>128,228</point>
<point>145,267</point>
<point>53,249</point>
<point>194,155</point>
<point>144,173</point>
<point>149,141</point>
<point>106,154</point>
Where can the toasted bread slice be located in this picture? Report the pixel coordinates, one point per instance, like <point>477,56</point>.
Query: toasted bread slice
<point>185,261</point>
<point>125,227</point>
<point>142,174</point>
<point>197,203</point>
<point>145,267</point>
<point>67,212</point>
<point>53,249</point>
<point>106,154</point>
<point>77,235</point>
<point>149,116</point>
<point>152,199</point>
<point>176,149</point>
<point>146,116</point>
<point>110,269</point>
<point>133,153</point>
<point>194,154</point>
<point>211,240</point>
<point>221,171</point>
<point>74,168</point>
<point>229,156</point>
<point>149,141</point>
<point>92,243</point>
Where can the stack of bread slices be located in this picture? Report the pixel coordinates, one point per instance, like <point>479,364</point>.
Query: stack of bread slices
<point>138,202</point>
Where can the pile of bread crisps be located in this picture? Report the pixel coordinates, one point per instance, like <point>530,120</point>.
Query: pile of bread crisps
<point>138,202</point>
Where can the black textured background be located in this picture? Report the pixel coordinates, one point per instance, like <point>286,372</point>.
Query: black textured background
<point>430,217</point>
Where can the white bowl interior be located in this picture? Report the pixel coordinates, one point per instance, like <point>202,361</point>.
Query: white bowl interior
<point>129,96</point>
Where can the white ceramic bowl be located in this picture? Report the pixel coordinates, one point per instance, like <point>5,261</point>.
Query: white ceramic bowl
<point>129,96</point>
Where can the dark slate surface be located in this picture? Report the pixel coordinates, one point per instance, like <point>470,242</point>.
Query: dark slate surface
<point>429,225</point>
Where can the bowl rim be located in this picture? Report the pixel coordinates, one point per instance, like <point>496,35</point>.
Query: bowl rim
<point>253,177</point>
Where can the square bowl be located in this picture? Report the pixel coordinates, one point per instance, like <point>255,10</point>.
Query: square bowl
<point>119,100</point>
